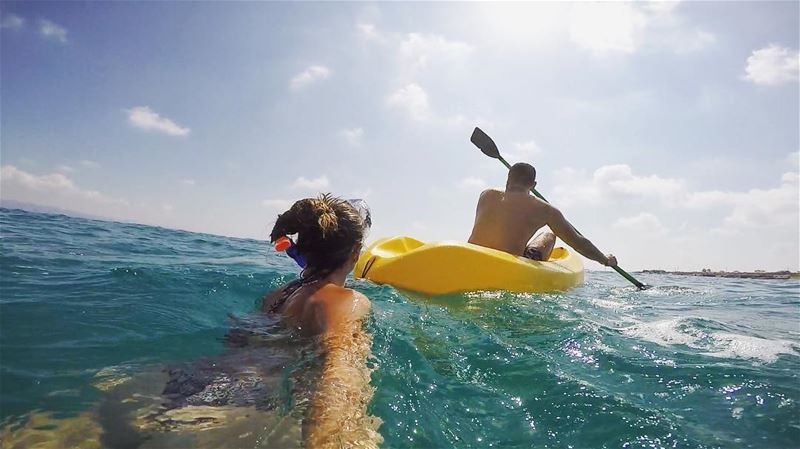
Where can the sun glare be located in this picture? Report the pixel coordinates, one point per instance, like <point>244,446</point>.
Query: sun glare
<point>523,24</point>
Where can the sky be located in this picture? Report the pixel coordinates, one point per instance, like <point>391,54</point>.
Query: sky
<point>667,133</point>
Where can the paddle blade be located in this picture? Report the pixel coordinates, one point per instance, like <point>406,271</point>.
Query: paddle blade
<point>484,143</point>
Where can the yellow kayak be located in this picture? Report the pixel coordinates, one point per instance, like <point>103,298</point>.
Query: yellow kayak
<point>439,268</point>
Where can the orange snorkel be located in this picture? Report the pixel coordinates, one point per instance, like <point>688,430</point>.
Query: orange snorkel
<point>282,244</point>
<point>286,244</point>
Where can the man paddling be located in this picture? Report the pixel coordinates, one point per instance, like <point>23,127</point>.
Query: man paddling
<point>506,221</point>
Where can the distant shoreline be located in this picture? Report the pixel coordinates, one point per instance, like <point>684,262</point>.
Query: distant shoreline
<point>780,275</point>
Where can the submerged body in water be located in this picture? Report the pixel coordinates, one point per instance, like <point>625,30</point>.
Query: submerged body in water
<point>256,393</point>
<point>691,363</point>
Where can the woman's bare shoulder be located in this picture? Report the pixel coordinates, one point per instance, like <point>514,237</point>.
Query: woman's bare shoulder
<point>361,303</point>
<point>338,305</point>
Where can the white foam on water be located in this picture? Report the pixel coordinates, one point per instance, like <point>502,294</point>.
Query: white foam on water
<point>602,347</point>
<point>664,332</point>
<point>613,305</point>
<point>735,346</point>
<point>681,331</point>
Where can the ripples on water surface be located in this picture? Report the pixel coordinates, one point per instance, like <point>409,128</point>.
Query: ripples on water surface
<point>694,363</point>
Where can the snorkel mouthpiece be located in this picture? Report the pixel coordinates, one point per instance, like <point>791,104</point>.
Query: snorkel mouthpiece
<point>286,244</point>
<point>282,244</point>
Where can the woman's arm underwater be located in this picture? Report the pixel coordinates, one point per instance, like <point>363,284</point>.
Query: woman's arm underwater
<point>338,415</point>
<point>270,298</point>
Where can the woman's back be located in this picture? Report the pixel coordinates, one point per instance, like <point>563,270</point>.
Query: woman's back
<point>317,307</point>
<point>330,234</point>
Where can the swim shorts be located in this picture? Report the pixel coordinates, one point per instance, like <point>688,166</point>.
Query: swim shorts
<point>532,253</point>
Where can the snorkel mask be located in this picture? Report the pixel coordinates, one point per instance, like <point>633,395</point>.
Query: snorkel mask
<point>286,244</point>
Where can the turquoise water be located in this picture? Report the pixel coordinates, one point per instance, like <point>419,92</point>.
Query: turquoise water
<point>692,363</point>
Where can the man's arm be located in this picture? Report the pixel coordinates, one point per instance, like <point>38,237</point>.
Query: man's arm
<point>564,230</point>
<point>338,415</point>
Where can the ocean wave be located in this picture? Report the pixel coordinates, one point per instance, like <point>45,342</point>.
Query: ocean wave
<point>695,333</point>
<point>598,366</point>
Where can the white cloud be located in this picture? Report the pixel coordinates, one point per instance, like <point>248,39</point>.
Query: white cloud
<point>65,169</point>
<point>56,181</point>
<point>528,148</point>
<point>708,199</point>
<point>773,65</point>
<point>761,208</point>
<point>413,100</point>
<point>794,160</point>
<point>413,52</point>
<point>143,117</point>
<point>12,21</point>
<point>472,183</point>
<point>417,50</point>
<point>311,184</point>
<point>166,207</point>
<point>89,164</point>
<point>620,180</point>
<point>605,27</point>
<point>755,208</point>
<point>573,187</point>
<point>352,136</point>
<point>777,207</point>
<point>683,42</point>
<point>643,223</point>
<point>308,76</point>
<point>625,28</point>
<point>524,151</point>
<point>612,182</point>
<point>369,32</point>
<point>188,182</point>
<point>525,24</point>
<point>57,190</point>
<point>52,31</point>
<point>665,28</point>
<point>278,204</point>
<point>660,8</point>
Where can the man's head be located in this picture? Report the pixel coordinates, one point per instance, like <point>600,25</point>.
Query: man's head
<point>522,175</point>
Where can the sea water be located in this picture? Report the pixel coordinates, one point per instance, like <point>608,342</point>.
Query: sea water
<point>89,308</point>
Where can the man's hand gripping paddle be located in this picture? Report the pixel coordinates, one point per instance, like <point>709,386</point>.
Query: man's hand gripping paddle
<point>488,147</point>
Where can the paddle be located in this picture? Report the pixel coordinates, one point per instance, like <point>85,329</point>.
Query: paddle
<point>488,147</point>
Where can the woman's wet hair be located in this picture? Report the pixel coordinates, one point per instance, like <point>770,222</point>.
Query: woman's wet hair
<point>328,229</point>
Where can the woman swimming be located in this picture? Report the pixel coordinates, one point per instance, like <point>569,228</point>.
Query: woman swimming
<point>330,233</point>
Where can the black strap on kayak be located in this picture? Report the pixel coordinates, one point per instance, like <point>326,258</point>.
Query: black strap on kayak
<point>367,266</point>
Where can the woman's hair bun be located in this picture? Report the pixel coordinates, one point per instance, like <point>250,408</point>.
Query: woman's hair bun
<point>327,228</point>
<point>328,221</point>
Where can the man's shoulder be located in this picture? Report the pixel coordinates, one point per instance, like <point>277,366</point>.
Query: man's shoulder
<point>542,208</point>
<point>490,194</point>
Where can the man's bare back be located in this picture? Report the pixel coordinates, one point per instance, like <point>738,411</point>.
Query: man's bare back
<point>506,221</point>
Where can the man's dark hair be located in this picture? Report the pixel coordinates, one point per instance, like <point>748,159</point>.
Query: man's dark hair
<point>522,173</point>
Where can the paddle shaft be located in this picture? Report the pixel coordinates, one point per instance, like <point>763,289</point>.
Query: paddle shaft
<point>619,270</point>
